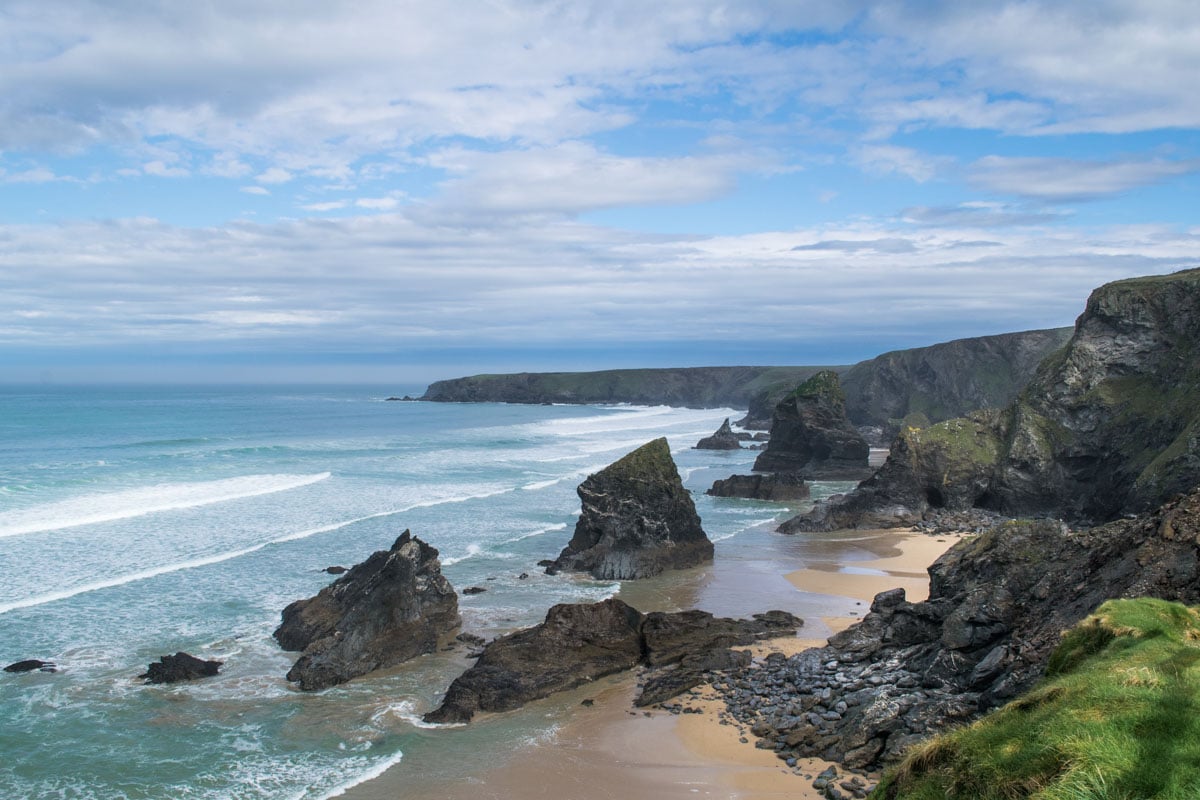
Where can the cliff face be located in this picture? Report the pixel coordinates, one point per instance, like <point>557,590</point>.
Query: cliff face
<point>695,387</point>
<point>388,609</point>
<point>1110,424</point>
<point>637,520</point>
<point>947,380</point>
<point>811,435</point>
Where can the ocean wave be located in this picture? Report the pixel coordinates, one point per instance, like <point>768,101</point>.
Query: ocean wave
<point>126,504</point>
<point>561,526</point>
<point>373,772</point>
<point>217,558</point>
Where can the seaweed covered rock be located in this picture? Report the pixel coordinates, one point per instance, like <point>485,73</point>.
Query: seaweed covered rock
<point>637,520</point>
<point>388,609</point>
<point>1109,425</point>
<point>778,486</point>
<point>723,439</point>
<point>811,434</point>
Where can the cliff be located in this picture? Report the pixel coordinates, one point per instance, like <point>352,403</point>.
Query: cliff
<point>388,609</point>
<point>694,387</point>
<point>636,521</point>
<point>947,380</point>
<point>1110,424</point>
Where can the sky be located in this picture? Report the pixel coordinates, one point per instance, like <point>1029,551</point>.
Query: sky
<point>402,191</point>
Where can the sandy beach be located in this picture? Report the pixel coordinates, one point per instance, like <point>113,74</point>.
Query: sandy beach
<point>609,750</point>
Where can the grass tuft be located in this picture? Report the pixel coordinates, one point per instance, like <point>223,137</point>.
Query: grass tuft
<point>1117,719</point>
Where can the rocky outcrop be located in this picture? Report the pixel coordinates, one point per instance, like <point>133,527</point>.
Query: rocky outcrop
<point>637,520</point>
<point>30,664</point>
<point>388,609</point>
<point>997,606</point>
<point>582,642</point>
<point>179,667</point>
<point>811,435</point>
<point>723,439</point>
<point>1110,424</point>
<point>947,380</point>
<point>778,487</point>
<point>694,387</point>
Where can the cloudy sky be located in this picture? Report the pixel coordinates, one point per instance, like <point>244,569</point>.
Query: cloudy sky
<point>404,191</point>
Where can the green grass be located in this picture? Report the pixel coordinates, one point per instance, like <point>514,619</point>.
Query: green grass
<point>1115,719</point>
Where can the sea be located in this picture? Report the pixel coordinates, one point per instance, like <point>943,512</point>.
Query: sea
<point>136,522</point>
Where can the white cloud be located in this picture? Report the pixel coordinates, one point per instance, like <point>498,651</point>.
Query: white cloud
<point>1064,179</point>
<point>274,175</point>
<point>331,205</point>
<point>377,203</point>
<point>160,169</point>
<point>889,159</point>
<point>259,190</point>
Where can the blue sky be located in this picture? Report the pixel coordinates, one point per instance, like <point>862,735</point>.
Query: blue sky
<point>405,191</point>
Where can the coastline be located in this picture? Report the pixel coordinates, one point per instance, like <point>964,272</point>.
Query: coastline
<point>609,749</point>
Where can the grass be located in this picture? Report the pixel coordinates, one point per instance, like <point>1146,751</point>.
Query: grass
<point>1115,719</point>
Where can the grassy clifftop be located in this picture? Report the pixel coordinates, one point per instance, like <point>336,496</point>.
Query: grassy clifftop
<point>1114,719</point>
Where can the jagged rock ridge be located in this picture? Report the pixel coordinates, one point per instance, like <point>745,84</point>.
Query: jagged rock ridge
<point>637,520</point>
<point>723,439</point>
<point>388,609</point>
<point>1110,424</point>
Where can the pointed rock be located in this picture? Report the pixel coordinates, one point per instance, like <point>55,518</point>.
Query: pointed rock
<point>388,609</point>
<point>637,520</point>
<point>723,439</point>
<point>811,434</point>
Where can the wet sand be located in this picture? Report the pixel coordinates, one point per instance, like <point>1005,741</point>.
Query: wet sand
<point>608,750</point>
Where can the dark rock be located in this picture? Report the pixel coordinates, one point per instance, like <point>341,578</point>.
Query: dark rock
<point>388,609</point>
<point>179,667</point>
<point>579,643</point>
<point>811,435</point>
<point>474,590</point>
<point>524,576</point>
<point>587,702</point>
<point>1109,425</point>
<point>335,570</point>
<point>29,665</point>
<point>470,638</point>
<point>997,606</point>
<point>723,439</point>
<point>575,644</point>
<point>637,520</point>
<point>778,487</point>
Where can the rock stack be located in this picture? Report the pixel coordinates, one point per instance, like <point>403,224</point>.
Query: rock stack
<point>388,609</point>
<point>637,520</point>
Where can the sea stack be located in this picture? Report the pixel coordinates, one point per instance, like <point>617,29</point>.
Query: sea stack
<point>723,439</point>
<point>637,520</point>
<point>811,434</point>
<point>388,609</point>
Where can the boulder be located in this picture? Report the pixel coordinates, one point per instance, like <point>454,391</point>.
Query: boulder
<point>723,439</point>
<point>637,520</point>
<point>179,667</point>
<point>779,487</point>
<point>811,434</point>
<point>388,609</point>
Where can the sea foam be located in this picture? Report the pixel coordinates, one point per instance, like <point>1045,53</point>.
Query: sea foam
<point>107,507</point>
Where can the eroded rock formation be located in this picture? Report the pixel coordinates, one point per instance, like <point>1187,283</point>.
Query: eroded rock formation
<point>388,609</point>
<point>723,439</point>
<point>1109,425</point>
<point>778,486</point>
<point>179,667</point>
<point>637,520</point>
<point>578,643</point>
<point>812,436</point>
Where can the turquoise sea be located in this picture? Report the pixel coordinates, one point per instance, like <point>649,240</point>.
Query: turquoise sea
<point>136,522</point>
